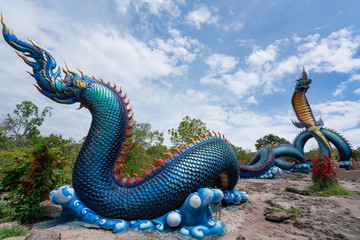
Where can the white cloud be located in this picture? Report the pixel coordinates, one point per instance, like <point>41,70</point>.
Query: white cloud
<point>260,57</point>
<point>251,100</point>
<point>339,115</point>
<point>152,6</point>
<point>177,47</point>
<point>343,85</point>
<point>122,5</point>
<point>357,91</point>
<point>221,63</point>
<point>235,26</point>
<point>200,16</point>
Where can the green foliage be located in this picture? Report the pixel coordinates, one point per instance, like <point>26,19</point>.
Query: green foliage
<point>243,156</point>
<point>13,231</point>
<point>268,140</point>
<point>332,190</point>
<point>29,180</point>
<point>145,137</point>
<point>312,154</point>
<point>188,128</point>
<point>23,124</point>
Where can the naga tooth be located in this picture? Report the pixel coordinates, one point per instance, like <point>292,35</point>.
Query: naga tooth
<point>120,160</point>
<point>204,135</point>
<point>125,95</point>
<point>128,178</point>
<point>114,87</point>
<point>152,167</point>
<point>192,140</point>
<point>209,133</point>
<point>176,149</point>
<point>122,153</point>
<point>198,137</point>
<point>168,154</point>
<point>128,101</point>
<point>120,90</point>
<point>219,134</point>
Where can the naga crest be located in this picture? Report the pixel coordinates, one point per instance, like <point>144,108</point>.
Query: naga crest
<point>303,82</point>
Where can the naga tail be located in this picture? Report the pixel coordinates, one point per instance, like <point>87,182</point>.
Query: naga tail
<point>49,82</point>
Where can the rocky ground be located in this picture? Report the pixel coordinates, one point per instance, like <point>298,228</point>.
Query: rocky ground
<point>336,217</point>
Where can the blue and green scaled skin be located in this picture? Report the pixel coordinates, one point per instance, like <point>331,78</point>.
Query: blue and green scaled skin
<point>315,128</point>
<point>209,162</point>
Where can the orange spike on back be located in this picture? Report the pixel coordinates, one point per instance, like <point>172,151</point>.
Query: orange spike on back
<point>192,140</point>
<point>131,116</point>
<point>184,144</point>
<point>204,135</point>
<point>215,133</point>
<point>176,149</point>
<point>152,167</point>
<point>120,160</point>
<point>209,133</point>
<point>128,178</point>
<point>161,161</point>
<point>117,170</point>
<point>198,137</point>
<point>168,154</point>
<point>127,144</point>
<point>129,135</point>
<point>136,177</point>
<point>145,172</point>
<point>123,153</point>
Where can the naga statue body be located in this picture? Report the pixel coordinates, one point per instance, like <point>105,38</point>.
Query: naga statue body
<point>315,129</point>
<point>103,196</point>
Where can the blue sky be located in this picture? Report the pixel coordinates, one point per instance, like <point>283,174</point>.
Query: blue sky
<point>233,64</point>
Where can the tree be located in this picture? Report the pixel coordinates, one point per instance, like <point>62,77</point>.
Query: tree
<point>268,140</point>
<point>145,137</point>
<point>187,128</point>
<point>24,122</point>
<point>243,155</point>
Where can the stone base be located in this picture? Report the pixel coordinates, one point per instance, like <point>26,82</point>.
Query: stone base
<point>342,173</point>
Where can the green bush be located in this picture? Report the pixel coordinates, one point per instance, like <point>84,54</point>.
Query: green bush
<point>29,180</point>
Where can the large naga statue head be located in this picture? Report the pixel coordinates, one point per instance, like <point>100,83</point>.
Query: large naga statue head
<point>303,82</point>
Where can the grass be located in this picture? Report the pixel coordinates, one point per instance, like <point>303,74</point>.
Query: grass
<point>13,231</point>
<point>294,213</point>
<point>332,190</point>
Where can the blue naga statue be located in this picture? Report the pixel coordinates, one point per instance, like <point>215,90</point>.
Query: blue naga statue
<point>175,194</point>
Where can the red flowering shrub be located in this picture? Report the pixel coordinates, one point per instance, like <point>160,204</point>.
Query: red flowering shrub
<point>29,180</point>
<point>323,174</point>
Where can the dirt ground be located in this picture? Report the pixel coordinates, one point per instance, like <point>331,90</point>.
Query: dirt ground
<point>336,217</point>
